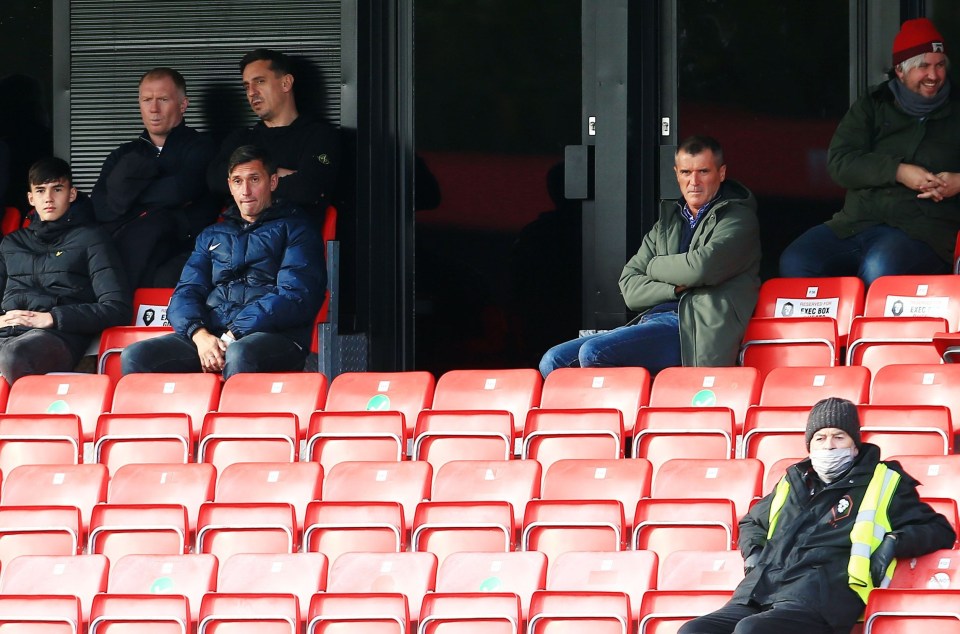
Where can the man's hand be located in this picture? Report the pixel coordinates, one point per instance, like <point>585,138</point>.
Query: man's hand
<point>751,561</point>
<point>881,558</point>
<point>28,318</point>
<point>949,189</point>
<point>917,178</point>
<point>211,350</point>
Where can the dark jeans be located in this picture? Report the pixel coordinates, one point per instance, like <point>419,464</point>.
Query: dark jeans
<point>782,618</point>
<point>874,252</point>
<point>36,351</point>
<point>653,343</point>
<point>259,352</point>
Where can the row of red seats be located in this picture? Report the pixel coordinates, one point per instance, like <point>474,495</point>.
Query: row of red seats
<point>497,506</point>
<point>614,591</point>
<point>516,392</point>
<point>829,321</point>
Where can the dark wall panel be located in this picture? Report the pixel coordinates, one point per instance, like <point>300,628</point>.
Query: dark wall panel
<point>113,43</point>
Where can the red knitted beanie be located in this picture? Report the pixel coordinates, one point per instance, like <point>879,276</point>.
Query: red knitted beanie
<point>916,37</point>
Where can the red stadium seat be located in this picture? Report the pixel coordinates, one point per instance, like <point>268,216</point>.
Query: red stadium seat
<point>837,298</point>
<point>594,612</point>
<point>664,433</point>
<point>193,394</point>
<point>369,613</point>
<point>334,528</point>
<point>300,574</point>
<point>663,611</point>
<point>230,438</point>
<point>38,439</point>
<point>734,388</point>
<point>85,395</point>
<point>189,485</point>
<point>413,574</point>
<point>405,482</point>
<point>667,525</point>
<point>787,387</point>
<point>632,572</point>
<point>349,436</point>
<point>701,570</point>
<point>515,391</point>
<point>114,339</point>
<point>404,392</point>
<point>625,389</point>
<point>300,393</point>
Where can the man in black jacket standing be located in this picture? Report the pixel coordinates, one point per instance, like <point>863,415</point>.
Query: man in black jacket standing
<point>60,279</point>
<point>828,535</point>
<point>152,192</point>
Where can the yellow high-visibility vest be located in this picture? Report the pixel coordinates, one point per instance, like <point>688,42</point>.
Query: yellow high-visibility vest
<point>869,528</point>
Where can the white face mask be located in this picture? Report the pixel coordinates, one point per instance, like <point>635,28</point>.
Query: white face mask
<point>831,463</point>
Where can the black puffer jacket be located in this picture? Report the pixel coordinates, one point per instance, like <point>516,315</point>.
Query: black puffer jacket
<point>806,560</point>
<point>69,268</point>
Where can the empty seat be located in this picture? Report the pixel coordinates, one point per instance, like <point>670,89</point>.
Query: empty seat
<point>907,429</point>
<point>85,395</point>
<point>667,610</point>
<point>918,385</point>
<point>39,439</point>
<point>558,526</point>
<point>227,439</point>
<point>902,296</point>
<point>41,614</point>
<point>773,433</point>
<point>249,613</point>
<point>664,433</point>
<point>786,387</point>
<point>515,391</point>
<point>446,527</point>
<point>299,393</point>
<point>933,611</point>
<point>736,388</point>
<point>82,486</point>
<point>879,341</point>
<point>837,298</point>
<point>334,528</point>
<point>147,529</point>
<point>442,436</point>
<point>463,613</point>
<point>39,530</point>
<point>626,481</point>
<point>296,484</point>
<point>404,392</point>
<point>335,437</point>
<point>300,574</point>
<point>123,439</point>
<point>701,570</point>
<point>190,576</point>
<point>405,482</point>
<point>595,612</point>
<point>149,614</point>
<point>521,573</point>
<point>82,576</point>
<point>632,572</point>
<point>555,434</point>
<point>114,339</point>
<point>625,389</point>
<point>370,613</point>
<point>939,476</point>
<point>193,394</point>
<point>770,343</point>
<point>665,525</point>
<point>939,569</point>
<point>189,485</point>
<point>413,574</point>
<point>737,480</point>
<point>230,528</point>
<point>513,481</point>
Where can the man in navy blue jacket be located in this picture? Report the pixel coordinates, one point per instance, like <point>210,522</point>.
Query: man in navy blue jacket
<point>250,291</point>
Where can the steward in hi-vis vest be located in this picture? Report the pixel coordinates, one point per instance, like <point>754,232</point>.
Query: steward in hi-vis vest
<point>827,535</point>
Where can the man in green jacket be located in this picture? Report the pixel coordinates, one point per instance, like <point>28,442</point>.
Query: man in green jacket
<point>695,278</point>
<point>897,151</point>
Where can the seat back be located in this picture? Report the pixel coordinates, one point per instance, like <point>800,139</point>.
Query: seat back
<point>521,573</point>
<point>918,385</point>
<point>554,434</point>
<point>770,343</point>
<point>626,481</point>
<point>915,296</point>
<point>934,611</point>
<point>191,576</point>
<point>300,574</point>
<point>513,481</point>
<point>663,611</point>
<point>405,482</point>
<point>447,527</point>
<point>82,576</point>
<point>413,574</point>
<point>907,429</point>
<point>123,439</point>
<point>334,528</point>
<point>774,433</point>
<point>667,525</point>
<point>736,388</point>
<point>632,572</point>
<point>664,433</point>
<point>230,438</point>
<point>786,387</point>
<point>701,570</point>
<point>81,486</point>
<point>515,391</point>
<point>370,613</point>
<point>404,392</point>
<point>558,526</point>
<point>300,393</point>
<point>189,485</point>
<point>939,476</point>
<point>297,484</point>
<point>837,298</point>
<point>625,389</point>
<point>41,614</point>
<point>38,439</point>
<point>489,612</point>
<point>737,480</point>
<point>86,395</point>
<point>335,437</point>
<point>442,436</point>
<point>150,307</point>
<point>595,612</point>
<point>193,394</point>
<point>249,613</point>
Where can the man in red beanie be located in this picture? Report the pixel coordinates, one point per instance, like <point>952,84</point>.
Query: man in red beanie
<point>897,151</point>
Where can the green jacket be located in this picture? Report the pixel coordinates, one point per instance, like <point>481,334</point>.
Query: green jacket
<point>720,272</point>
<point>873,138</point>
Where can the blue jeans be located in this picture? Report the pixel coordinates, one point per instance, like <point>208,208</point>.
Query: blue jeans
<point>258,352</point>
<point>653,343</point>
<point>874,252</point>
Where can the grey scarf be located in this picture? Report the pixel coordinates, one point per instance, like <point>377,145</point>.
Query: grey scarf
<point>917,105</point>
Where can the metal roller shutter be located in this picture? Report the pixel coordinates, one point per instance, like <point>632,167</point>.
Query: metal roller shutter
<point>112,43</point>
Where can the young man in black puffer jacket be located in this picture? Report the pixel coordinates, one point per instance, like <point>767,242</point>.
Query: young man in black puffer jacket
<point>60,279</point>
